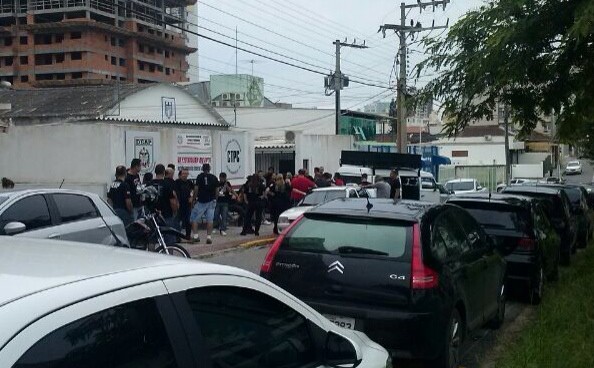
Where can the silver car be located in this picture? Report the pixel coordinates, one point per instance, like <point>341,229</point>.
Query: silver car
<point>60,214</point>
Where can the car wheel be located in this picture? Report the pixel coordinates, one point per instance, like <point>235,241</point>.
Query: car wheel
<point>537,287</point>
<point>453,344</point>
<point>497,321</point>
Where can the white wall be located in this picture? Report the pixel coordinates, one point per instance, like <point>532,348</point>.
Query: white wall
<point>478,154</point>
<point>532,157</point>
<point>274,122</point>
<point>321,150</point>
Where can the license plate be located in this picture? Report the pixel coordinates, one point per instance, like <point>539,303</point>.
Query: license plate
<point>344,322</point>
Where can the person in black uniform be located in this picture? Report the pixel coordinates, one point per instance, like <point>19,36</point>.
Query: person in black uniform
<point>253,192</point>
<point>118,196</point>
<point>279,194</point>
<point>183,189</point>
<point>133,181</point>
<point>167,203</point>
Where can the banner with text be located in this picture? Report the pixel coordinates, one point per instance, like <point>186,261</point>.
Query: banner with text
<point>233,155</point>
<point>144,146</point>
<point>192,151</point>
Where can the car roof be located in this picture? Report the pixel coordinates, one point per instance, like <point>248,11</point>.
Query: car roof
<point>498,198</point>
<point>537,189</point>
<point>31,266</point>
<point>24,192</point>
<point>382,208</point>
<point>461,180</point>
<point>334,188</point>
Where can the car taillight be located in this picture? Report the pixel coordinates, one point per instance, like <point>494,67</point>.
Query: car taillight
<point>526,244</point>
<point>422,276</point>
<point>267,265</point>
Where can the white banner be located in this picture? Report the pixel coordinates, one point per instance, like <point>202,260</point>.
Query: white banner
<point>233,155</point>
<point>145,146</point>
<point>192,150</point>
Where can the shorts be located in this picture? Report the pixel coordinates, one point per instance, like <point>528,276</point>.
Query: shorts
<point>206,210</point>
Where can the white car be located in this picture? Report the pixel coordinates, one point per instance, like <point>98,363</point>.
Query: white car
<point>60,214</point>
<point>319,196</point>
<point>516,181</point>
<point>573,167</point>
<point>459,186</point>
<point>81,305</point>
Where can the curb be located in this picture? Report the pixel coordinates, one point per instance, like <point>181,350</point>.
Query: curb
<point>256,243</point>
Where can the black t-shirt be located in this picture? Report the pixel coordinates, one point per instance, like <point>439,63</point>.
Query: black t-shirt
<point>280,197</point>
<point>225,195</point>
<point>207,185</point>
<point>133,182</point>
<point>183,188</point>
<point>166,192</point>
<point>394,186</point>
<point>254,194</point>
<point>118,193</point>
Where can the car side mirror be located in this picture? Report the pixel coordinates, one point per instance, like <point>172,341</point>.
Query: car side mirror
<point>13,228</point>
<point>340,352</point>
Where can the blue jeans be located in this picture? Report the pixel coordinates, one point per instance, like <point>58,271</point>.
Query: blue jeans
<point>205,210</point>
<point>222,215</point>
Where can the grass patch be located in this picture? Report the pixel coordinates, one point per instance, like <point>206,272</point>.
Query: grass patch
<point>562,332</point>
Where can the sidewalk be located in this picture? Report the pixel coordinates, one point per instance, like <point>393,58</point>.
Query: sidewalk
<point>221,244</point>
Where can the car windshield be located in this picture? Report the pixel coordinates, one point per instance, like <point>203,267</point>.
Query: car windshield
<point>493,216</point>
<point>573,164</point>
<point>322,196</point>
<point>3,199</point>
<point>460,185</point>
<point>349,236</point>
<point>575,195</point>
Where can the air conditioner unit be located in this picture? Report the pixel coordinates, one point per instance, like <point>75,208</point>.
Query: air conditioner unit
<point>239,97</point>
<point>225,104</point>
<point>488,138</point>
<point>226,97</point>
<point>215,103</point>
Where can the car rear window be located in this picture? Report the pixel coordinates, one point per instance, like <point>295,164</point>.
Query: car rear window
<point>498,216</point>
<point>575,196</point>
<point>322,196</point>
<point>464,185</point>
<point>350,236</point>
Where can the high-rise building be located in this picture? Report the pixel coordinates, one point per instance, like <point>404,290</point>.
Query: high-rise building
<point>53,42</point>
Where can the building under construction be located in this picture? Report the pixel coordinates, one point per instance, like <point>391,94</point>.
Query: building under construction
<point>66,42</point>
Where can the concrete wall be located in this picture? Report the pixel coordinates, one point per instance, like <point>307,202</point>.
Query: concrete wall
<point>486,153</point>
<point>321,150</point>
<point>532,157</point>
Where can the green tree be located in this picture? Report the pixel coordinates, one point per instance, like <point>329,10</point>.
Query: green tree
<point>535,55</point>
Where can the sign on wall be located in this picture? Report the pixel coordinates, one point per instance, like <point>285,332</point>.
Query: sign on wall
<point>192,150</point>
<point>168,109</point>
<point>144,146</point>
<point>233,155</point>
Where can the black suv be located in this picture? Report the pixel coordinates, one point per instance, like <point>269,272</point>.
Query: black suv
<point>522,232</point>
<point>415,277</point>
<point>558,209</point>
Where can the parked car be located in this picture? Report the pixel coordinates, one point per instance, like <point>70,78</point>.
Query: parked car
<point>431,191</point>
<point>523,233</point>
<point>573,167</point>
<point>558,209</point>
<point>78,305</point>
<point>318,196</point>
<point>515,181</point>
<point>414,276</point>
<point>60,214</point>
<point>459,186</point>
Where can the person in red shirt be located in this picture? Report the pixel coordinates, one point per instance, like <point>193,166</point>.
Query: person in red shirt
<point>301,185</point>
<point>338,180</point>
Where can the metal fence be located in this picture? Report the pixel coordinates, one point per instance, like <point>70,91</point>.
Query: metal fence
<point>487,176</point>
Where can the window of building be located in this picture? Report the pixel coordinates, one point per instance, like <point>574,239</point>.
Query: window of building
<point>106,57</point>
<point>8,41</point>
<point>24,60</point>
<point>141,65</point>
<point>113,77</point>
<point>459,153</point>
<point>172,71</point>
<point>59,37</point>
<point>43,39</point>
<point>76,56</point>
<point>160,68</point>
<point>114,60</point>
<point>24,78</point>
<point>123,79</point>
<point>60,76</point>
<point>8,61</point>
<point>77,75</point>
<point>140,47</point>
<point>44,77</point>
<point>152,68</point>
<point>59,58</point>
<point>127,335</point>
<point>113,41</point>
<point>159,51</point>
<point>43,59</point>
<point>122,62</point>
<point>167,71</point>
<point>121,42</point>
<point>23,40</point>
<point>166,54</point>
<point>151,50</point>
<point>106,38</point>
<point>75,35</point>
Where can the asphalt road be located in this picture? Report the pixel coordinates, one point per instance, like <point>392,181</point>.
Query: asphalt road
<point>477,346</point>
<point>585,177</point>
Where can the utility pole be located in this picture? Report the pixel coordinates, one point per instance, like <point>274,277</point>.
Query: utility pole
<point>403,30</point>
<point>339,81</point>
<point>507,163</point>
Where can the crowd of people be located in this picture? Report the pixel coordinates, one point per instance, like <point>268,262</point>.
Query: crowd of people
<point>184,204</point>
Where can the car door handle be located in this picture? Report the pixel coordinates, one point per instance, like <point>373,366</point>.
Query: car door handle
<point>54,236</point>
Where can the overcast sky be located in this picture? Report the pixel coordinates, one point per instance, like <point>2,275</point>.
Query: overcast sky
<point>303,30</point>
